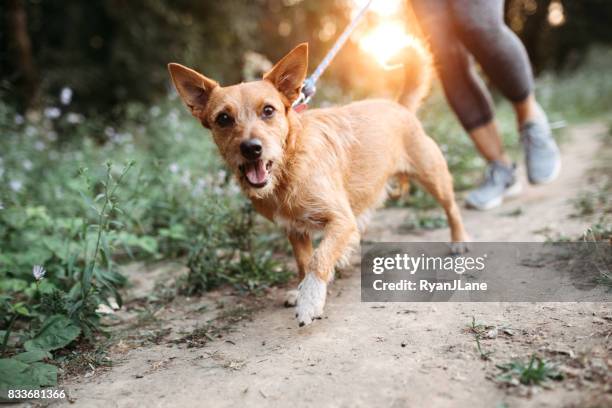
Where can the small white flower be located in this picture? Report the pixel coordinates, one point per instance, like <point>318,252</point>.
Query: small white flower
<point>39,145</point>
<point>66,95</point>
<point>27,165</point>
<point>15,185</point>
<point>39,272</point>
<point>174,168</point>
<point>74,118</point>
<point>19,120</point>
<point>109,131</point>
<point>1,206</point>
<point>233,187</point>
<point>52,136</point>
<point>221,175</point>
<point>30,131</point>
<point>155,111</point>
<point>198,189</point>
<point>52,112</point>
<point>186,178</point>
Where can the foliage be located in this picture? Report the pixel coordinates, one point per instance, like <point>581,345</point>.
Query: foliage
<point>49,310</point>
<point>80,224</point>
<point>535,372</point>
<point>230,254</point>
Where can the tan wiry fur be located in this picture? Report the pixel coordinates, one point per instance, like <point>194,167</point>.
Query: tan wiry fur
<point>328,167</point>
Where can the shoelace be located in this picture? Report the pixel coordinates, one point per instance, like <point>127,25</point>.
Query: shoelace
<point>534,138</point>
<point>493,174</point>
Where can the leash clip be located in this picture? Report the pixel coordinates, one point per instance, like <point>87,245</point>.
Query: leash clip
<point>308,90</point>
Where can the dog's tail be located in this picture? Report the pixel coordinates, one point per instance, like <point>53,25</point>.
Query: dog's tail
<point>418,73</point>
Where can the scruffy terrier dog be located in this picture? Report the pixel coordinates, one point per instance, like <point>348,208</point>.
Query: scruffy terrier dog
<point>324,169</point>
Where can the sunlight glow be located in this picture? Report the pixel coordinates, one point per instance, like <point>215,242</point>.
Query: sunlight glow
<point>385,41</point>
<point>556,14</point>
<point>384,8</point>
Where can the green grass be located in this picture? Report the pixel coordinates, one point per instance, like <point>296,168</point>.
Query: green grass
<point>423,221</point>
<point>61,208</point>
<point>534,372</point>
<point>479,331</point>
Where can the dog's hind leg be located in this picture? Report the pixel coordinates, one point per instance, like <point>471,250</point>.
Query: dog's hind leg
<point>430,170</point>
<point>302,251</point>
<point>401,186</point>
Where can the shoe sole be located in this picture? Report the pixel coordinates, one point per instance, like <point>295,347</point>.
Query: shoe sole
<point>551,178</point>
<point>512,191</point>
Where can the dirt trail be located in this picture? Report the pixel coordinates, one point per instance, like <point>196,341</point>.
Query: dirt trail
<point>354,357</point>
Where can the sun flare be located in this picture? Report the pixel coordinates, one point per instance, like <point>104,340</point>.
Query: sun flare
<point>384,8</point>
<point>385,41</point>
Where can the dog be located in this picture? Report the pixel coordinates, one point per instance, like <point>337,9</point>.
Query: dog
<point>324,169</point>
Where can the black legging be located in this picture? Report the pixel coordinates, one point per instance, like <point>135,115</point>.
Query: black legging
<point>457,28</point>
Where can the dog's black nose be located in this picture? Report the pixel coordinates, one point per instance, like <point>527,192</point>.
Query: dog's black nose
<point>251,149</point>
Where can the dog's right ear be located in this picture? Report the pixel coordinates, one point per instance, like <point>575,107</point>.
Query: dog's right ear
<point>193,87</point>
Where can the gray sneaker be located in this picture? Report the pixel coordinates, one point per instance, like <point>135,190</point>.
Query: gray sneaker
<point>500,182</point>
<point>541,152</point>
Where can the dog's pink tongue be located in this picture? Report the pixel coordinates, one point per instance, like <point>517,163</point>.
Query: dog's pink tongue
<point>256,172</point>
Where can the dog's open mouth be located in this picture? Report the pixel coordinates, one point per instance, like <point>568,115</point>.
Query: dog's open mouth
<point>256,173</point>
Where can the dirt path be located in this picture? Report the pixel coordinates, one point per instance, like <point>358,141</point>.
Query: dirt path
<point>390,355</point>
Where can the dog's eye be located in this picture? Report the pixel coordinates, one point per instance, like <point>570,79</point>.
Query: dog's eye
<point>268,111</point>
<point>224,120</point>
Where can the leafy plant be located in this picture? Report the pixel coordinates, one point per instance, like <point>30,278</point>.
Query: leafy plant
<point>232,255</point>
<point>479,331</point>
<point>51,312</point>
<point>535,372</point>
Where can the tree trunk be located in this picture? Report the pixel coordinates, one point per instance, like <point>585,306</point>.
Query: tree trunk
<point>535,27</point>
<point>21,48</point>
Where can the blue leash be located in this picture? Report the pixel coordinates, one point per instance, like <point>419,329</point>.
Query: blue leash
<point>309,87</point>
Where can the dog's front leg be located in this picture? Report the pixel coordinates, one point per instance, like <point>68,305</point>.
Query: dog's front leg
<point>339,233</point>
<point>302,251</point>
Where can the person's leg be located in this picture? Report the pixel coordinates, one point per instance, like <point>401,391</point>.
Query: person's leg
<point>464,90</point>
<point>469,99</point>
<point>500,53</point>
<point>488,141</point>
<point>528,110</point>
<point>502,56</point>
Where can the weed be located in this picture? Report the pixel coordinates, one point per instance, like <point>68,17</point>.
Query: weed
<point>217,327</point>
<point>422,221</point>
<point>535,372</point>
<point>479,331</point>
<point>60,305</point>
<point>517,212</point>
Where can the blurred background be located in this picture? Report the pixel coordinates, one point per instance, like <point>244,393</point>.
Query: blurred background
<point>112,52</point>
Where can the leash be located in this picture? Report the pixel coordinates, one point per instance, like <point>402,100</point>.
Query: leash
<point>309,86</point>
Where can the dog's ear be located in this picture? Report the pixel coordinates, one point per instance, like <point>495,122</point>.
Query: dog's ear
<point>194,88</point>
<point>289,73</point>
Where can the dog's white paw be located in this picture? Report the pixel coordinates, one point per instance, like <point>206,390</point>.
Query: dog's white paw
<point>291,298</point>
<point>310,299</point>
